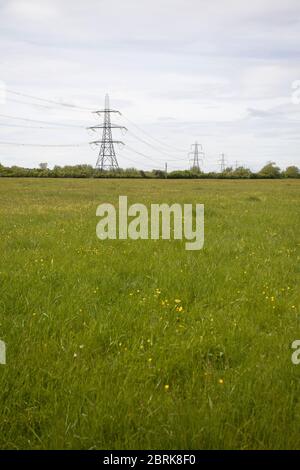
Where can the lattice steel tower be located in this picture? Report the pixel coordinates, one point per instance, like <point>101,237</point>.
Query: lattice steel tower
<point>222,162</point>
<point>197,156</point>
<point>107,156</point>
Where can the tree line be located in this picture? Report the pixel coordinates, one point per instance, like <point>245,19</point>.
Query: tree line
<point>268,171</point>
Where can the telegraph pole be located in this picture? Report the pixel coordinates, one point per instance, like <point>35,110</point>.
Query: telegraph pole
<point>197,151</point>
<point>107,156</point>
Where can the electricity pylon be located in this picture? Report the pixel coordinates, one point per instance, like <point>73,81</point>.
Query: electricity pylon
<point>222,163</point>
<point>197,152</point>
<point>107,156</point>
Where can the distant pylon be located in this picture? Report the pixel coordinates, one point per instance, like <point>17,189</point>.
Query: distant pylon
<point>222,163</point>
<point>197,155</point>
<point>107,156</point>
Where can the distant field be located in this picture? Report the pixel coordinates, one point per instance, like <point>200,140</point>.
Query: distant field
<point>97,354</point>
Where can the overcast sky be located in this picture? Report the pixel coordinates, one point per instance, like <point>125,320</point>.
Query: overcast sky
<point>217,71</point>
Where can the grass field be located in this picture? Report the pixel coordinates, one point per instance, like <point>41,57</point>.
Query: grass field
<point>99,352</point>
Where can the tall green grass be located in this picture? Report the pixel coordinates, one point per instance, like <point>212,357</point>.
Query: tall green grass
<point>99,352</point>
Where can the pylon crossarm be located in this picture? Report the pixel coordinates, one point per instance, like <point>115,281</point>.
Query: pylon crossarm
<point>99,142</point>
<point>107,111</point>
<point>101,126</point>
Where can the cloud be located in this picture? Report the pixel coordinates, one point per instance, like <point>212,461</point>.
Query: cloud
<point>220,72</point>
<point>30,10</point>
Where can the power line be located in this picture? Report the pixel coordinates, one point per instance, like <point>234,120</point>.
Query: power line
<point>141,154</point>
<point>68,105</point>
<point>154,138</point>
<point>134,161</point>
<point>162,152</point>
<point>22,144</point>
<point>163,148</point>
<point>150,158</point>
<point>30,104</point>
<point>40,122</point>
<point>73,106</point>
<point>177,160</point>
<point>31,127</point>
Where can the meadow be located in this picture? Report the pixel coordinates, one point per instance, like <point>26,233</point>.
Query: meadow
<point>123,344</point>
